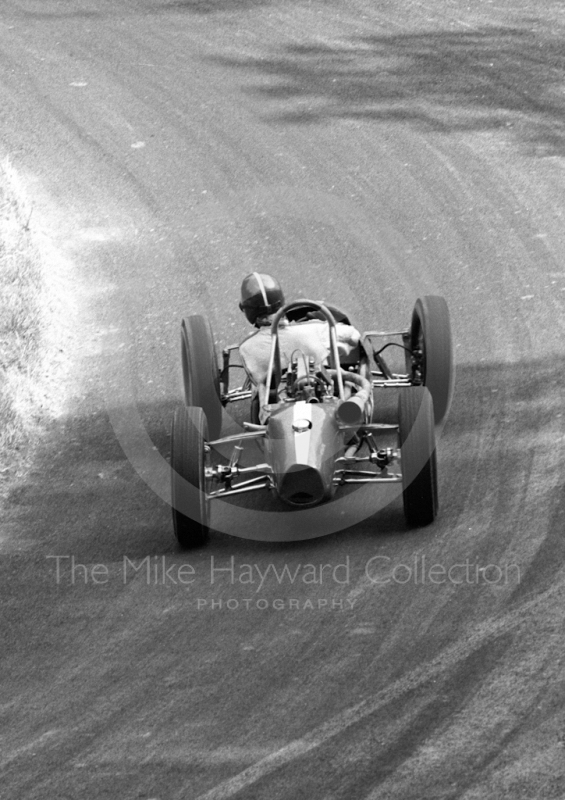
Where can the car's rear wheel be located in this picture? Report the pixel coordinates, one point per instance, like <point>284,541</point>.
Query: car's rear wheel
<point>418,455</point>
<point>191,512</point>
<point>200,372</point>
<point>432,352</point>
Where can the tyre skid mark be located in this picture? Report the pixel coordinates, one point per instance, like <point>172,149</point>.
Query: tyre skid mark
<point>460,650</point>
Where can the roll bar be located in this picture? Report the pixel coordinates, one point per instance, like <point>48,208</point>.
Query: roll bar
<point>275,359</point>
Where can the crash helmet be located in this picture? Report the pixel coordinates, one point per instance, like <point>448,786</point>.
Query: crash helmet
<point>261,295</point>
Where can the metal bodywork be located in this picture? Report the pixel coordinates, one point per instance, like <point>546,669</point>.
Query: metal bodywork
<point>302,443</point>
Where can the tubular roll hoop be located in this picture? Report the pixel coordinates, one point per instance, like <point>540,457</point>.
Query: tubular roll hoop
<point>274,360</point>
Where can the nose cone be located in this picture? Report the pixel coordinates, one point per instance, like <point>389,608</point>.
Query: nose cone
<point>302,486</point>
<point>303,442</point>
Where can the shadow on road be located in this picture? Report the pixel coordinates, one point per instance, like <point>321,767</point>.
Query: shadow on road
<point>447,81</point>
<point>52,10</point>
<point>211,6</point>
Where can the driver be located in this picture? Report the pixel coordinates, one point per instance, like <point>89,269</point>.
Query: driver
<point>261,298</point>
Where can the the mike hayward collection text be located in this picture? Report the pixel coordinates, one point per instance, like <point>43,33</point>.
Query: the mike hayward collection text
<point>379,570</point>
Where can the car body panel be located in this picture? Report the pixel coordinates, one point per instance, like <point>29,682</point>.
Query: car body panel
<point>302,443</point>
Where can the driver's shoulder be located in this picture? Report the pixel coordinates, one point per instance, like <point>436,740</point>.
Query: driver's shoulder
<point>254,352</point>
<point>257,336</point>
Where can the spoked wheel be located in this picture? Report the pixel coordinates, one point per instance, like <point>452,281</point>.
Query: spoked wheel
<point>418,455</point>
<point>200,372</point>
<point>432,352</point>
<point>188,479</point>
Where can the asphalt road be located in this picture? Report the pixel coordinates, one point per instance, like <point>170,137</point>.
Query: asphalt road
<point>366,153</point>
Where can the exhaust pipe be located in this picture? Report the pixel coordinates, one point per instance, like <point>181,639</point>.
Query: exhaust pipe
<point>352,411</point>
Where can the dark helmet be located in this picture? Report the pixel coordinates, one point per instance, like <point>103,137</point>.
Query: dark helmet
<point>260,295</point>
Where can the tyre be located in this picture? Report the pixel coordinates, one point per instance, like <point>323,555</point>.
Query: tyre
<point>432,352</point>
<point>188,479</point>
<point>418,455</point>
<point>200,372</point>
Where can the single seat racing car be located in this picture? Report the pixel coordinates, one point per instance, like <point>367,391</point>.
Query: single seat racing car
<point>318,428</point>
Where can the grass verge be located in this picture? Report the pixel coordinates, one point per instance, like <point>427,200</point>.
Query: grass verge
<point>21,322</point>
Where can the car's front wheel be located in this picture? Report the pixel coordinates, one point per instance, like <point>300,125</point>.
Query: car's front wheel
<point>191,507</point>
<point>418,455</point>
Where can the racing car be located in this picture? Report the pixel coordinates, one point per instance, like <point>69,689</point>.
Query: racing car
<point>319,426</point>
